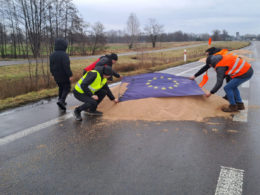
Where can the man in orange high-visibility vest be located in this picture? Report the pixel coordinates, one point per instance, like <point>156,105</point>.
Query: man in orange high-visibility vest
<point>210,51</point>
<point>238,69</point>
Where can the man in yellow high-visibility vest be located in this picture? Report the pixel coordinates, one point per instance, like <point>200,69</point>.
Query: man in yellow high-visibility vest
<point>91,89</point>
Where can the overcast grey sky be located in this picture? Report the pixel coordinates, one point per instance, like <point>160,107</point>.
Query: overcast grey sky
<point>197,16</point>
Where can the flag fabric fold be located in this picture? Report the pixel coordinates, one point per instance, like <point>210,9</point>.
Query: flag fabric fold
<point>159,85</point>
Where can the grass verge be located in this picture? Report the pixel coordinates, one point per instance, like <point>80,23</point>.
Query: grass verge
<point>19,100</point>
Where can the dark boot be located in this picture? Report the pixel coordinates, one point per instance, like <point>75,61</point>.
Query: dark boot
<point>230,108</point>
<point>94,113</point>
<point>225,97</point>
<point>61,105</point>
<point>77,115</point>
<point>240,106</point>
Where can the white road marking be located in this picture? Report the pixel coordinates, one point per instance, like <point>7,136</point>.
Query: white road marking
<point>242,115</point>
<point>245,85</point>
<point>230,181</point>
<point>183,72</point>
<point>29,131</point>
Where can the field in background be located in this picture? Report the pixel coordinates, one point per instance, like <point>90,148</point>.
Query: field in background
<point>122,47</point>
<point>127,65</point>
<point>109,48</point>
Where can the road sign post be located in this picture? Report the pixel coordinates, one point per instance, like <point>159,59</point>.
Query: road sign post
<point>185,56</point>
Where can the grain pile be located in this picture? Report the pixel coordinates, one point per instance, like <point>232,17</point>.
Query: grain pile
<point>195,108</point>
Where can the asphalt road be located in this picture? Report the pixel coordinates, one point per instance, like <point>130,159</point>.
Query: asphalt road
<point>17,62</point>
<point>43,151</point>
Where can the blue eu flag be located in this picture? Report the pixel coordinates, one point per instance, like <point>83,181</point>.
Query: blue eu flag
<point>159,85</point>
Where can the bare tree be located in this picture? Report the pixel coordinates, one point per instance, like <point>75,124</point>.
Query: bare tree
<point>77,27</point>
<point>3,40</point>
<point>33,16</point>
<point>153,30</point>
<point>204,36</point>
<point>133,30</point>
<point>97,37</point>
<point>216,35</point>
<point>224,35</point>
<point>116,36</point>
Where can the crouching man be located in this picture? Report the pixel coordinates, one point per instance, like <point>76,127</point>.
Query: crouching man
<point>91,89</point>
<point>239,70</point>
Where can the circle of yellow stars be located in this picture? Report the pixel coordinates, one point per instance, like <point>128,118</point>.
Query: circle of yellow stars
<point>175,83</point>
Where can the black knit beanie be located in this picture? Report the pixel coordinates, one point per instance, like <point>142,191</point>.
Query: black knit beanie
<point>114,56</point>
<point>212,50</point>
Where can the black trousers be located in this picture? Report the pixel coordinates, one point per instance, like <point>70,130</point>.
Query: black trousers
<point>64,89</point>
<point>89,102</point>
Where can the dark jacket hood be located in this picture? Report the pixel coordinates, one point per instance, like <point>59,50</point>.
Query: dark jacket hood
<point>100,70</point>
<point>108,58</point>
<point>107,70</point>
<point>60,44</point>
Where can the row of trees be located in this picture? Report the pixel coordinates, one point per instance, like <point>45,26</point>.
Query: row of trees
<point>29,27</point>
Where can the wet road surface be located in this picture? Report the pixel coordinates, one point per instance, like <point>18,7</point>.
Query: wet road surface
<point>43,151</point>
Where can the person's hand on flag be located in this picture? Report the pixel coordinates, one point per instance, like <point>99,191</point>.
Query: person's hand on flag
<point>116,101</point>
<point>192,78</point>
<point>208,94</point>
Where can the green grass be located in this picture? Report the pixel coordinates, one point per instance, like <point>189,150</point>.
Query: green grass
<point>27,98</point>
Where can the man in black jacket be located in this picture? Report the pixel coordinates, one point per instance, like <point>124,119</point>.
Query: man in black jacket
<point>91,89</point>
<point>107,60</point>
<point>60,69</point>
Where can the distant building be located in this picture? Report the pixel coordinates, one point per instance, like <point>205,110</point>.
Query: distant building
<point>238,36</point>
<point>250,37</point>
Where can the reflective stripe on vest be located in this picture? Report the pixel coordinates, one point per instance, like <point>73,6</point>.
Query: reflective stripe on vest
<point>236,65</point>
<point>96,85</point>
<point>241,66</point>
<point>78,88</point>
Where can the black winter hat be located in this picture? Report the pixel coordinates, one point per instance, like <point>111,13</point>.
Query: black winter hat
<point>212,50</point>
<point>107,70</point>
<point>114,56</point>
